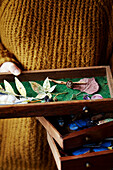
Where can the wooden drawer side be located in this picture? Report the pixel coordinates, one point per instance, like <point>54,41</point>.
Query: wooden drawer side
<point>55,151</point>
<point>51,129</point>
<point>109,80</point>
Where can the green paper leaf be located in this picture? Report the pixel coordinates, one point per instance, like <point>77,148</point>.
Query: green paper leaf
<point>73,97</point>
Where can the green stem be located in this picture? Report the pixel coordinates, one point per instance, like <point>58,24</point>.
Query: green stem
<point>59,94</point>
<point>78,93</point>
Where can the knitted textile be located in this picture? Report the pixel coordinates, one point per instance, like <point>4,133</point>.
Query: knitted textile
<point>46,34</point>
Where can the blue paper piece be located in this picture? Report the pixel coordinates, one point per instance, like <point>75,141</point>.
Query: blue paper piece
<point>73,126</point>
<point>106,144</point>
<point>3,93</point>
<point>80,151</point>
<point>82,122</point>
<point>89,145</point>
<point>100,149</point>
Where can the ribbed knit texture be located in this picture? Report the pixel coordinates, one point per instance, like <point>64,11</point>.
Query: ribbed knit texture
<point>46,34</point>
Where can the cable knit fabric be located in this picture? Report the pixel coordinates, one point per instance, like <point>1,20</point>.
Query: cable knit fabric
<point>47,34</point>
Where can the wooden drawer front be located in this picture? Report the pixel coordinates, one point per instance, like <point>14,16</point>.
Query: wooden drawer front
<point>94,161</point>
<point>88,135</point>
<point>76,139</point>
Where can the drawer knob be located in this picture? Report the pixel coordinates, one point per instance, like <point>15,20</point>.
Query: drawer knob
<point>88,165</point>
<point>85,109</point>
<point>87,138</point>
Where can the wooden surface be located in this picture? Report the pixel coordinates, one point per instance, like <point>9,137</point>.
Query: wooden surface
<point>109,80</point>
<point>57,73</point>
<point>96,160</point>
<point>63,107</point>
<point>52,130</point>
<point>56,108</point>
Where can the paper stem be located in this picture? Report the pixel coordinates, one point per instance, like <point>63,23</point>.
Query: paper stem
<point>63,82</point>
<point>59,94</point>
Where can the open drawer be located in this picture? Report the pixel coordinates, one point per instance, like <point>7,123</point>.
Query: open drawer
<point>94,161</point>
<point>77,138</point>
<point>60,107</point>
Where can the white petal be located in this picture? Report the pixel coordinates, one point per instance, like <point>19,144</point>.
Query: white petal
<point>46,84</point>
<point>49,94</point>
<point>41,95</point>
<point>52,88</point>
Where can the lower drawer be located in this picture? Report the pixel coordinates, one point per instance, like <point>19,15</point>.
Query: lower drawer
<point>77,138</point>
<point>95,161</point>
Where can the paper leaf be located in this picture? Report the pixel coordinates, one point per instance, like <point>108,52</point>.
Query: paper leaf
<point>90,87</point>
<point>36,87</point>
<point>52,88</point>
<point>41,95</point>
<point>50,95</point>
<point>8,87</point>
<point>20,87</point>
<point>1,88</point>
<point>73,97</point>
<point>46,84</point>
<point>81,151</point>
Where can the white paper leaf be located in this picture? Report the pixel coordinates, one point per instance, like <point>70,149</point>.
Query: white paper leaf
<point>36,87</point>
<point>50,95</point>
<point>41,95</point>
<point>52,88</point>
<point>11,99</point>
<point>8,87</point>
<point>20,87</point>
<point>1,88</point>
<point>46,84</point>
<point>3,99</point>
